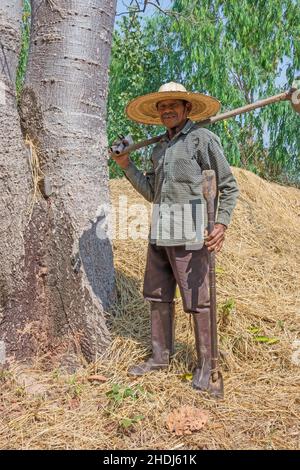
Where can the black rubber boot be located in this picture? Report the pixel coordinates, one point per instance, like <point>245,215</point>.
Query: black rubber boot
<point>202,373</point>
<point>162,338</point>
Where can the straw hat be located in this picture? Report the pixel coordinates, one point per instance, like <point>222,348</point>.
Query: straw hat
<point>143,109</point>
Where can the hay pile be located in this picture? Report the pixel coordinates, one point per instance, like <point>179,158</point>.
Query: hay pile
<point>258,290</point>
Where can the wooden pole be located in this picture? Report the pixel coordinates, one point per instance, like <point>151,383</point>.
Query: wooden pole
<point>286,95</point>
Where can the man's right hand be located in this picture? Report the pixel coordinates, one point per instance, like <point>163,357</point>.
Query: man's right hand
<point>122,161</point>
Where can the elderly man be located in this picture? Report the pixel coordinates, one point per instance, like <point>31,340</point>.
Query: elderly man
<point>178,249</point>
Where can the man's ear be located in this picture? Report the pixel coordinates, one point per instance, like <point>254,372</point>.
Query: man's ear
<point>189,107</point>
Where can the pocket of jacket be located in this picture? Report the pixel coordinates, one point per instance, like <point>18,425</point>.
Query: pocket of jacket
<point>186,171</point>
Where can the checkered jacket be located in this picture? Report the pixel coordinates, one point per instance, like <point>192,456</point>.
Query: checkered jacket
<point>174,186</point>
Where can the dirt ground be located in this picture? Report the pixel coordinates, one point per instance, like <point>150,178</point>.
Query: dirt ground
<point>258,278</point>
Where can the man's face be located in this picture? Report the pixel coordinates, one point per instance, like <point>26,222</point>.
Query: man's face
<point>173,113</point>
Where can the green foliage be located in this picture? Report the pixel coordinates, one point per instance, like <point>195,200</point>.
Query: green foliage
<point>75,387</point>
<point>235,51</point>
<point>220,271</point>
<point>254,329</point>
<point>227,308</point>
<point>186,377</point>
<point>133,71</point>
<point>260,338</point>
<point>24,47</point>
<point>127,423</point>
<point>265,339</point>
<point>118,393</point>
<point>226,312</point>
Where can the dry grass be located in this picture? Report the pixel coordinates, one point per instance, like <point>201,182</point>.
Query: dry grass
<point>258,288</point>
<point>37,175</point>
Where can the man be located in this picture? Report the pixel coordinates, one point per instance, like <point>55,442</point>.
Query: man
<point>178,250</point>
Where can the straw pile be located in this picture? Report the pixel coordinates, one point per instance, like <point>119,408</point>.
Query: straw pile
<point>258,290</point>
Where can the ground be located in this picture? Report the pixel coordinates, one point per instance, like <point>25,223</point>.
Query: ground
<point>258,275</point>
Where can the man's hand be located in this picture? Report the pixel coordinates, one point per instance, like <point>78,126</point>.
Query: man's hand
<point>215,240</point>
<point>120,145</point>
<point>122,161</point>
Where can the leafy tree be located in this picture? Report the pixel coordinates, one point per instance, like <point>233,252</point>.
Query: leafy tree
<point>133,72</point>
<point>23,56</point>
<point>235,51</point>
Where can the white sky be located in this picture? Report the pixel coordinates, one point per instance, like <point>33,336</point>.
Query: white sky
<point>122,5</point>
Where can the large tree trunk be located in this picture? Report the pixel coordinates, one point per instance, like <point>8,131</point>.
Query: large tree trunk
<point>14,182</point>
<point>68,269</point>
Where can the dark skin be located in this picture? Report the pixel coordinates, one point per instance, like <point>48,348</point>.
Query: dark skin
<point>173,115</point>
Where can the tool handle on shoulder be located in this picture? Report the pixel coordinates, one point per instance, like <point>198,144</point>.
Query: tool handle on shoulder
<point>132,147</point>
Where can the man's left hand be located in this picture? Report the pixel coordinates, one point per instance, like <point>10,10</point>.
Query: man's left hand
<point>215,240</point>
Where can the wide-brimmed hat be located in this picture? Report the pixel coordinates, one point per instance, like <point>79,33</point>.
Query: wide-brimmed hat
<point>143,108</point>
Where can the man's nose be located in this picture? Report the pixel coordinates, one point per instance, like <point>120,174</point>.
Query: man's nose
<point>168,110</point>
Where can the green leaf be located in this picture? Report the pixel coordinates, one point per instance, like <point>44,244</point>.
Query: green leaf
<point>138,418</point>
<point>220,270</point>
<point>228,307</point>
<point>253,329</point>
<point>266,339</point>
<point>126,423</point>
<point>186,377</point>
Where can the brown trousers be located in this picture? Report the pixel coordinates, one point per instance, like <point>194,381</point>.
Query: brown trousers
<point>170,265</point>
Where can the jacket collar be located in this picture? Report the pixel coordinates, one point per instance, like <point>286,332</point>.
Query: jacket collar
<point>187,127</point>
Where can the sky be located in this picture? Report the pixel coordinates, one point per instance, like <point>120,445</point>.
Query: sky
<point>122,6</point>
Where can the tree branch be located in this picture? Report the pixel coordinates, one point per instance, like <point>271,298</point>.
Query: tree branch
<point>141,8</point>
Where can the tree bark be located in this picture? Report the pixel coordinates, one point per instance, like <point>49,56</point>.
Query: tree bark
<point>68,268</point>
<point>14,180</point>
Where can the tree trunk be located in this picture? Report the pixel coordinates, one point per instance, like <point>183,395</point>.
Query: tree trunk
<point>14,180</point>
<point>68,268</point>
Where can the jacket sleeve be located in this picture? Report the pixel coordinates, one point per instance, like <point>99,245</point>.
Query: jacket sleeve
<point>226,182</point>
<point>143,183</point>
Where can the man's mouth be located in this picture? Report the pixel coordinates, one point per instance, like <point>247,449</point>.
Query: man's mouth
<point>169,117</point>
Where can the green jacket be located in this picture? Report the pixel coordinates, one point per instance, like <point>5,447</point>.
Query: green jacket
<point>174,186</point>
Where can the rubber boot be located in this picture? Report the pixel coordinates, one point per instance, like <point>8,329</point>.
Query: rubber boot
<point>202,373</point>
<point>162,338</point>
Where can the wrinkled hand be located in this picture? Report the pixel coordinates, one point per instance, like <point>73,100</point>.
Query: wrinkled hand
<point>122,161</point>
<point>215,240</point>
